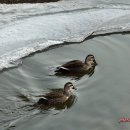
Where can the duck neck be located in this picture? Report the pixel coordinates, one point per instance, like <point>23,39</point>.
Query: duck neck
<point>89,63</point>
<point>67,92</point>
<point>86,61</point>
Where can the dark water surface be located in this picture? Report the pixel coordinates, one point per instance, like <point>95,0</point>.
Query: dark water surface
<point>102,99</point>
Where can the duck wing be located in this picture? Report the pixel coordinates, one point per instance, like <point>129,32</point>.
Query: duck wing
<point>72,65</point>
<point>54,95</point>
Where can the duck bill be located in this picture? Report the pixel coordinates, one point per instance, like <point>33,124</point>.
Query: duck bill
<point>74,88</point>
<point>95,63</point>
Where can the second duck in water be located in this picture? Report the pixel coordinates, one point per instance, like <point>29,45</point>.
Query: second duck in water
<point>77,68</point>
<point>57,98</point>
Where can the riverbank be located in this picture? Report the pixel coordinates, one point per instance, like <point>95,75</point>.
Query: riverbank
<point>25,1</point>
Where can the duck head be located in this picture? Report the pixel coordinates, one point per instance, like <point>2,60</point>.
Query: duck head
<point>90,59</point>
<point>68,88</point>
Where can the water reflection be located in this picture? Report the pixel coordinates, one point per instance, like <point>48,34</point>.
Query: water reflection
<point>76,76</point>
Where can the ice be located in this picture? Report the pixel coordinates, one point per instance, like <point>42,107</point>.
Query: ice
<point>27,28</point>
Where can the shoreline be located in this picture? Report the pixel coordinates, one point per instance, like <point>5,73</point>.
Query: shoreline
<point>25,1</point>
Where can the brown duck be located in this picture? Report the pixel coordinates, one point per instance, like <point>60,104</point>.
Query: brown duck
<point>77,67</point>
<point>54,98</point>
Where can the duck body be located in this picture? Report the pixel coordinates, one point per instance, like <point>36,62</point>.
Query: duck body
<point>77,67</point>
<point>57,97</point>
<point>53,98</point>
<point>72,66</point>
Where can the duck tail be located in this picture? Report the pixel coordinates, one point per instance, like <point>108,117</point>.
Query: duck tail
<point>61,68</point>
<point>43,101</point>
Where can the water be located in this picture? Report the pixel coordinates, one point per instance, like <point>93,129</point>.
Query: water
<point>102,99</point>
<point>28,28</point>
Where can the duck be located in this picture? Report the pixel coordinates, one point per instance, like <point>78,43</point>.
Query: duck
<point>77,67</point>
<point>57,97</point>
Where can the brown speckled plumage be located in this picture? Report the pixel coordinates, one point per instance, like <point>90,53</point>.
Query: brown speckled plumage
<point>56,97</point>
<point>77,67</point>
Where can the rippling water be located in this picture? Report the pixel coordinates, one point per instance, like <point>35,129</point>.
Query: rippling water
<point>102,99</point>
<point>28,28</point>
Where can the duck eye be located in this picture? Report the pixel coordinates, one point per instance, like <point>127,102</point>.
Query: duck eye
<point>70,85</point>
